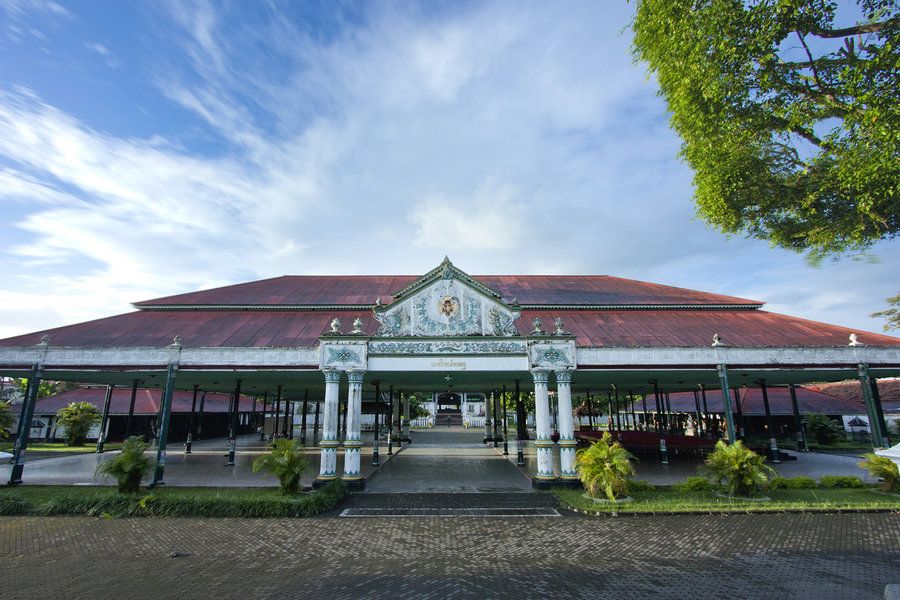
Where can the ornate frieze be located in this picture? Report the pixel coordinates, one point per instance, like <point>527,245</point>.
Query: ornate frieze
<point>447,347</point>
<point>344,355</point>
<point>557,355</point>
<point>446,303</point>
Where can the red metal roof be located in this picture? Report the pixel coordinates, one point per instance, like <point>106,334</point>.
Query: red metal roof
<point>311,290</point>
<point>888,391</point>
<point>146,402</point>
<point>592,328</point>
<point>808,401</point>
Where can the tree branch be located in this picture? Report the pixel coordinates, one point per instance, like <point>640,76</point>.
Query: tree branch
<point>854,30</point>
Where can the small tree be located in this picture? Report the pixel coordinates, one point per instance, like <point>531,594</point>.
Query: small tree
<point>286,462</point>
<point>741,470</point>
<point>883,468</point>
<point>821,427</point>
<point>77,418</point>
<point>6,420</point>
<point>129,467</point>
<point>604,468</point>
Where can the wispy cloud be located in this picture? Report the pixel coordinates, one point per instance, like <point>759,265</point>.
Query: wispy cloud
<point>516,138</point>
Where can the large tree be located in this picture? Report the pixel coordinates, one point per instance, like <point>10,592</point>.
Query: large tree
<point>790,119</point>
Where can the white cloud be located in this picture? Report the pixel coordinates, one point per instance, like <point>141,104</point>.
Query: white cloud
<point>515,138</point>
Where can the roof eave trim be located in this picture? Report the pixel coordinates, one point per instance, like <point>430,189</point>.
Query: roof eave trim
<point>318,307</point>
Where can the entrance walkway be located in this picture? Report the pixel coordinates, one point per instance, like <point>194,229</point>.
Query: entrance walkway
<point>448,460</point>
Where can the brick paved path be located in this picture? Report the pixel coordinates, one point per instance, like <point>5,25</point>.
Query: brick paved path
<point>758,556</point>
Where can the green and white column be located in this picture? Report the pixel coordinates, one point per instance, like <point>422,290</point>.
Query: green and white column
<point>567,442</point>
<point>543,444</point>
<point>353,442</point>
<point>330,442</point>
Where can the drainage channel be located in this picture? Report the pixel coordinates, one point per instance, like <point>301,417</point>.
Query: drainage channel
<point>450,512</point>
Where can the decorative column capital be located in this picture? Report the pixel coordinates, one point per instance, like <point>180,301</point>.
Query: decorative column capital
<point>356,376</point>
<point>540,375</point>
<point>564,377</point>
<point>332,375</point>
<point>721,369</point>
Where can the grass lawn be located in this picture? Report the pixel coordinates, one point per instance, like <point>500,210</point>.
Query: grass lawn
<point>667,500</point>
<point>166,501</point>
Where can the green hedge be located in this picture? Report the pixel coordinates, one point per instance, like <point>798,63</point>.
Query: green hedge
<point>175,503</point>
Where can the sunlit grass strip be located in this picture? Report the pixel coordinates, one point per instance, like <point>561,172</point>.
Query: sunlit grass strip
<point>168,502</point>
<point>667,500</point>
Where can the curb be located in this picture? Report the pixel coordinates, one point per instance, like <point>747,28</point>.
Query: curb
<point>728,513</point>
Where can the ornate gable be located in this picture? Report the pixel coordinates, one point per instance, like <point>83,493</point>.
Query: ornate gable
<point>446,302</point>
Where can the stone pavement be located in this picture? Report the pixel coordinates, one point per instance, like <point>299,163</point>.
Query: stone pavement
<point>801,556</point>
<point>448,460</point>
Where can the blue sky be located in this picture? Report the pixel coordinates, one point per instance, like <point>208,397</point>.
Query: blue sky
<point>150,149</point>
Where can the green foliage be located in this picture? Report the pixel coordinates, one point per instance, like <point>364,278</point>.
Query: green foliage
<point>77,418</point>
<point>174,502</point>
<point>638,485</point>
<point>883,468</point>
<point>12,504</point>
<point>6,420</point>
<point>792,483</point>
<point>789,120</point>
<point>841,481</point>
<point>605,467</point>
<point>129,466</point>
<point>416,408</point>
<point>823,429</point>
<point>286,462</point>
<point>695,483</point>
<point>46,388</point>
<point>738,468</point>
<point>891,315</point>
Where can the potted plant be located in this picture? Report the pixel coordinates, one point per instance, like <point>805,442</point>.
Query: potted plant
<point>605,468</point>
<point>129,466</point>
<point>286,462</point>
<point>740,470</point>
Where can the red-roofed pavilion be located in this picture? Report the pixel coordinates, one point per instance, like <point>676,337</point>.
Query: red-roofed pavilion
<point>331,337</point>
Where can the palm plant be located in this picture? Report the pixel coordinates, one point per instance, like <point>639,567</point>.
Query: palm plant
<point>129,467</point>
<point>741,470</point>
<point>604,468</point>
<point>77,418</point>
<point>286,462</point>
<point>883,468</point>
<point>6,420</point>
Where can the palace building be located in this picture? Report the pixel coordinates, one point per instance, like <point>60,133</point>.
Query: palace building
<point>365,338</point>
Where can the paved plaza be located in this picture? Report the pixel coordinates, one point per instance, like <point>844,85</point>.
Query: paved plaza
<point>759,556</point>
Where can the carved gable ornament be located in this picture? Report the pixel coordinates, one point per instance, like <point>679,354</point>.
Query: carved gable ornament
<point>446,302</point>
<point>344,355</point>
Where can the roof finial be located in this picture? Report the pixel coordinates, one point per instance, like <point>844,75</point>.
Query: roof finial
<point>45,340</point>
<point>335,326</point>
<point>176,341</point>
<point>854,341</point>
<point>717,341</point>
<point>357,327</point>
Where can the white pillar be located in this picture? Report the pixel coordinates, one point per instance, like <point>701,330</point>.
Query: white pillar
<point>352,442</point>
<point>406,416</point>
<point>329,441</point>
<point>543,443</point>
<point>488,433</point>
<point>566,426</point>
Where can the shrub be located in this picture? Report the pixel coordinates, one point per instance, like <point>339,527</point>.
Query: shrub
<point>636,485</point>
<point>605,467</point>
<point>77,418</point>
<point>841,481</point>
<point>694,483</point>
<point>822,428</point>
<point>740,469</point>
<point>792,483</point>
<point>6,420</point>
<point>883,468</point>
<point>11,504</point>
<point>129,467</point>
<point>286,462</point>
